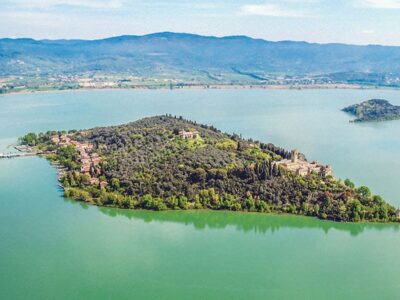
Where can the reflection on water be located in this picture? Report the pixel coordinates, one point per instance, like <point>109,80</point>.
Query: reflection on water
<point>246,222</point>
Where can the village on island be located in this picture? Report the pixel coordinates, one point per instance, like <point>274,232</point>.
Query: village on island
<point>89,160</point>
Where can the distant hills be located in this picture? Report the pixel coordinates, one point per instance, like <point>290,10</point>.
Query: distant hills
<point>237,59</point>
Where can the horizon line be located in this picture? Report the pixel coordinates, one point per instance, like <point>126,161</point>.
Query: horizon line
<point>195,35</point>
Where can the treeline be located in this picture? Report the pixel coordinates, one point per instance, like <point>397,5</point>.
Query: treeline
<point>351,205</point>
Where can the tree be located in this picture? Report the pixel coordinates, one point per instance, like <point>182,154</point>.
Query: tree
<point>383,213</point>
<point>250,204</point>
<point>183,202</point>
<point>30,139</point>
<point>199,175</point>
<point>147,201</point>
<point>355,210</point>
<point>378,200</point>
<point>85,179</point>
<point>364,191</point>
<point>173,202</point>
<point>305,207</point>
<point>316,209</point>
<point>115,184</point>
<point>349,184</point>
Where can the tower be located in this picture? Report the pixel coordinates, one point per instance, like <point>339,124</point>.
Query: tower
<point>295,155</point>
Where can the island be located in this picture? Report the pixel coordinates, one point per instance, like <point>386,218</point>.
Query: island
<point>167,162</point>
<point>373,110</point>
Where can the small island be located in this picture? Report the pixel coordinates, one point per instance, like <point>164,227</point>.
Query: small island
<point>166,162</point>
<point>373,110</point>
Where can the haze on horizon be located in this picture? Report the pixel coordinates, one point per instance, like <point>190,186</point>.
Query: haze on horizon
<point>322,21</point>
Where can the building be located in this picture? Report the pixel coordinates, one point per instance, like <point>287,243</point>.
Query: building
<point>295,156</point>
<point>94,181</point>
<point>64,140</point>
<point>300,166</point>
<point>88,159</point>
<point>103,184</point>
<point>55,139</point>
<point>85,168</point>
<point>189,134</point>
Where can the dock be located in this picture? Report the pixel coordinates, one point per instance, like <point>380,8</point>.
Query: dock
<point>15,155</point>
<point>23,151</point>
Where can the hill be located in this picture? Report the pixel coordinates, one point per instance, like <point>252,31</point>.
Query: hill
<point>189,58</point>
<point>374,110</point>
<point>165,162</point>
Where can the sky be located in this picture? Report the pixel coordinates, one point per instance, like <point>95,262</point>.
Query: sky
<point>322,21</point>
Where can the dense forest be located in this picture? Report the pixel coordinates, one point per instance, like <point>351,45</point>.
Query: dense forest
<point>149,164</point>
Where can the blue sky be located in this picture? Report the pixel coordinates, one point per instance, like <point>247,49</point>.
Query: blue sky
<point>350,21</point>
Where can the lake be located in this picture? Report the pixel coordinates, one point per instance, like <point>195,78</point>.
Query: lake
<point>55,248</point>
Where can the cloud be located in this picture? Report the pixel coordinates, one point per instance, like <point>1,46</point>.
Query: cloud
<point>271,10</point>
<point>383,4</point>
<point>91,4</point>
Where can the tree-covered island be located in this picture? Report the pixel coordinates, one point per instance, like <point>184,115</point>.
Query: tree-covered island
<point>166,162</point>
<point>373,110</point>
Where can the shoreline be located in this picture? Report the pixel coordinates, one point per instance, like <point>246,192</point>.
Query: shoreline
<point>214,87</point>
<point>60,170</point>
<point>243,212</point>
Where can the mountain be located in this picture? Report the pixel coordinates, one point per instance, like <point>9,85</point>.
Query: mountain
<point>168,55</point>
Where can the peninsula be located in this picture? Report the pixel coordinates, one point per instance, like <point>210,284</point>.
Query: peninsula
<point>373,110</point>
<point>166,162</point>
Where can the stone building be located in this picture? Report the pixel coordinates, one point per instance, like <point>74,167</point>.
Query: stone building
<point>302,167</point>
<point>189,134</point>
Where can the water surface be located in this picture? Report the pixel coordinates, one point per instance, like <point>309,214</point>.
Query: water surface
<point>52,248</point>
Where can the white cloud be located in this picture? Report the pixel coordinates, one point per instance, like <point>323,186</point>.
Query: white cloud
<point>93,4</point>
<point>385,4</point>
<point>270,10</point>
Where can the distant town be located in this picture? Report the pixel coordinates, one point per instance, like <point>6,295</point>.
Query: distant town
<point>25,84</point>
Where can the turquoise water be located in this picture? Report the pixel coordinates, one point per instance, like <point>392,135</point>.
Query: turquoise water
<point>52,248</point>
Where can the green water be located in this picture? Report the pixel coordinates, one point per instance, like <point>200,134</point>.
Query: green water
<point>52,248</point>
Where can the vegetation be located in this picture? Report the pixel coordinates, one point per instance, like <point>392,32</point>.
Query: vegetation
<point>181,60</point>
<point>374,110</point>
<point>148,165</point>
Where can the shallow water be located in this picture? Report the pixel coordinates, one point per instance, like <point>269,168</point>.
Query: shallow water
<point>55,248</point>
